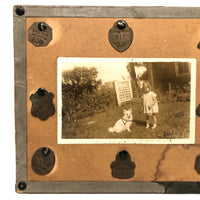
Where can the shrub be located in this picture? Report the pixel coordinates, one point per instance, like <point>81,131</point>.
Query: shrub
<point>177,94</point>
<point>83,95</point>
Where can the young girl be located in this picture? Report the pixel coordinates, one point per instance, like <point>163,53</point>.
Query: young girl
<point>150,104</point>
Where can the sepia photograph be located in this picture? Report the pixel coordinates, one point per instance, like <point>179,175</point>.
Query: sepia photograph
<point>126,100</point>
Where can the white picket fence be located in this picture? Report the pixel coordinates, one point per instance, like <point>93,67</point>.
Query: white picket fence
<point>123,91</point>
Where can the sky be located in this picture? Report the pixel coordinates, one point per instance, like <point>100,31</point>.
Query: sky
<point>108,71</point>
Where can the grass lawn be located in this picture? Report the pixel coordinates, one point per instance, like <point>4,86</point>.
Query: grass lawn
<point>173,122</point>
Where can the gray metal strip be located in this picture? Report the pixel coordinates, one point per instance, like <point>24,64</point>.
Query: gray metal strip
<point>94,187</point>
<point>112,12</point>
<point>20,97</point>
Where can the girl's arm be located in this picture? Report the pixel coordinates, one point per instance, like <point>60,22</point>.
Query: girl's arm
<point>154,97</point>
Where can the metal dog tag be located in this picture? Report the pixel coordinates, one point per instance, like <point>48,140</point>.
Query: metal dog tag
<point>42,104</point>
<point>40,34</point>
<point>123,167</point>
<point>120,36</point>
<point>43,161</point>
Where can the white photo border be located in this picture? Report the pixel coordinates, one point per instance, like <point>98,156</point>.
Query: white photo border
<point>190,140</point>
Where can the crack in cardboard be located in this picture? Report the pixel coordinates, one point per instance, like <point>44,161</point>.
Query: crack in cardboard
<point>188,146</point>
<point>162,157</point>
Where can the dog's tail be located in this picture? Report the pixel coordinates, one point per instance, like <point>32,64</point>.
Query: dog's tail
<point>111,129</point>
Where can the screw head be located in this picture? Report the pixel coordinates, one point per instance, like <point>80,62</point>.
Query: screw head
<point>22,185</point>
<point>123,155</point>
<point>41,91</point>
<point>45,151</point>
<point>42,26</point>
<point>19,10</point>
<point>121,24</point>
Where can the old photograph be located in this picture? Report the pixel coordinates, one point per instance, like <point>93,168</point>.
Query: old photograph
<point>126,100</point>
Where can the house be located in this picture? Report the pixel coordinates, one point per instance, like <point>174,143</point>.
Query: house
<point>166,75</point>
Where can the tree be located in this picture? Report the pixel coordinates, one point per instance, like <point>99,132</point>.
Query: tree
<point>78,88</point>
<point>81,80</point>
<point>131,70</point>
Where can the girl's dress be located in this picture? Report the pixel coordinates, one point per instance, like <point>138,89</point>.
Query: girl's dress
<point>150,103</point>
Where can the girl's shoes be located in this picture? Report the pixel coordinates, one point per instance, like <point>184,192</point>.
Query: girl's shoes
<point>147,126</point>
<point>154,126</point>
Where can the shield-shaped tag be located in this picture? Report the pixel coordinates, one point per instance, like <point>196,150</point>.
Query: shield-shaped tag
<point>120,36</point>
<point>42,104</point>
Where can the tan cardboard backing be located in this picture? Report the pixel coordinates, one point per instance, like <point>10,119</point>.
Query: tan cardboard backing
<point>88,37</point>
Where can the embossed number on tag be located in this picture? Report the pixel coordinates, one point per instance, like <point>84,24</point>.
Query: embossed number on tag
<point>120,36</point>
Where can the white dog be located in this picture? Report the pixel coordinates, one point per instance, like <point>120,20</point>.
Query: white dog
<point>124,123</point>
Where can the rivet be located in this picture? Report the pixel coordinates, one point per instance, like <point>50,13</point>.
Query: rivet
<point>22,185</point>
<point>19,10</point>
<point>121,24</point>
<point>42,26</point>
<point>41,91</point>
<point>45,151</point>
<point>123,155</point>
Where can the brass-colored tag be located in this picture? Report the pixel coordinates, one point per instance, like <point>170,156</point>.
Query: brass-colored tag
<point>42,104</point>
<point>43,161</point>
<point>40,34</point>
<point>120,36</point>
<point>123,167</point>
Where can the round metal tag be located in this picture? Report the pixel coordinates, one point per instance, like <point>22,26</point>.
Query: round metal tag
<point>43,161</point>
